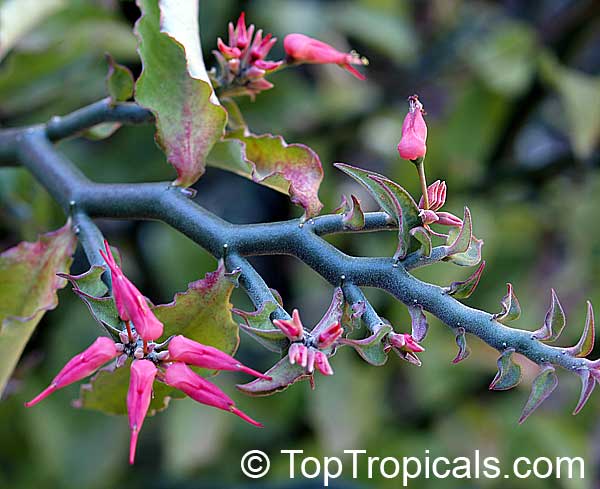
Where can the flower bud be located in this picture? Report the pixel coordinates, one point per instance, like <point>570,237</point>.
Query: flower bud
<point>180,376</point>
<point>292,328</point>
<point>322,363</point>
<point>404,342</point>
<point>448,219</point>
<point>80,366</point>
<point>436,194</point>
<point>414,132</point>
<point>297,354</point>
<point>330,335</point>
<point>139,396</point>
<point>428,217</point>
<point>304,49</point>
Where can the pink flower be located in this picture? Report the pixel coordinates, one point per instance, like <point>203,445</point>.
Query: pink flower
<point>309,358</point>
<point>131,304</point>
<point>180,376</point>
<point>182,349</point>
<point>80,366</point>
<point>436,194</point>
<point>304,49</point>
<point>414,132</point>
<point>404,342</point>
<point>330,335</point>
<point>292,328</point>
<point>139,396</point>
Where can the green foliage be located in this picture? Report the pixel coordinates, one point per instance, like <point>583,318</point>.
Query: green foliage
<point>119,81</point>
<point>28,289</point>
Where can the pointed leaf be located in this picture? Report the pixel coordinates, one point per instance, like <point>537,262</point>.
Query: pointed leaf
<point>463,240</point>
<point>89,282</point>
<point>174,85</point>
<point>258,324</point>
<point>203,312</point>
<point>354,217</point>
<point>371,349</point>
<point>419,323</point>
<point>463,349</point>
<point>422,236</point>
<point>119,81</point>
<point>292,169</point>
<point>28,285</point>
<point>587,387</point>
<point>235,118</point>
<point>107,392</point>
<point>585,345</point>
<point>283,375</point>
<point>405,213</point>
<point>509,373</point>
<point>511,309</point>
<point>554,322</point>
<point>464,289</point>
<point>543,385</point>
<point>333,315</point>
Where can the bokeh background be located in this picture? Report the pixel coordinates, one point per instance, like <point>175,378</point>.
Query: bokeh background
<point>512,93</point>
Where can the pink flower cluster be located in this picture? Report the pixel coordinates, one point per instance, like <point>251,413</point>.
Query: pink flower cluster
<point>149,363</point>
<point>244,67</point>
<point>436,195</point>
<point>305,349</point>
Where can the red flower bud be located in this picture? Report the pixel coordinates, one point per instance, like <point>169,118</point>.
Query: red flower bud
<point>404,342</point>
<point>131,304</point>
<point>304,49</point>
<point>292,328</point>
<point>228,51</point>
<point>80,366</point>
<point>180,376</point>
<point>182,349</point>
<point>414,132</point>
<point>330,335</point>
<point>322,363</point>
<point>139,396</point>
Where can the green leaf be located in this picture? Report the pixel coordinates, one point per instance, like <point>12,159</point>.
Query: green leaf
<point>107,392</point>
<point>28,285</point>
<point>511,309</point>
<point>353,216</point>
<point>464,289</point>
<point>258,324</point>
<point>235,118</point>
<point>422,236</point>
<point>175,87</point>
<point>463,349</point>
<point>292,169</point>
<point>372,349</point>
<point>101,131</point>
<point>554,322</point>
<point>585,345</point>
<point>461,243</point>
<point>588,383</point>
<point>580,102</point>
<point>89,282</point>
<point>283,375</point>
<point>203,313</point>
<point>509,373</point>
<point>119,81</point>
<point>543,385</point>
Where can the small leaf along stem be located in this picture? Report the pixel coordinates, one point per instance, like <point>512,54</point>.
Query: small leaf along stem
<point>420,164</point>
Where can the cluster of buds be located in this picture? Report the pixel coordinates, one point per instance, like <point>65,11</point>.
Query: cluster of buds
<point>242,60</point>
<point>309,349</point>
<point>150,361</point>
<point>436,193</point>
<point>405,346</point>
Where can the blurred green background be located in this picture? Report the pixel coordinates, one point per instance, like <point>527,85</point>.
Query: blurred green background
<point>512,93</point>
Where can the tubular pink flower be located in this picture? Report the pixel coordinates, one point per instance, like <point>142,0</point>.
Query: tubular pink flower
<point>182,349</point>
<point>267,65</point>
<point>330,335</point>
<point>436,194</point>
<point>304,49</point>
<point>292,328</point>
<point>131,304</point>
<point>414,132</point>
<point>180,376</point>
<point>405,342</point>
<point>260,47</point>
<point>448,219</point>
<point>322,363</point>
<point>80,366</point>
<point>139,396</point>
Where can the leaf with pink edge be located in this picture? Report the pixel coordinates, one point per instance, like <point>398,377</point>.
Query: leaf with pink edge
<point>465,288</point>
<point>461,243</point>
<point>554,322</point>
<point>543,385</point>
<point>333,314</point>
<point>28,285</point>
<point>107,392</point>
<point>174,85</point>
<point>585,345</point>
<point>422,236</point>
<point>292,169</point>
<point>511,309</point>
<point>469,258</point>
<point>463,349</point>
<point>258,325</point>
<point>372,349</point>
<point>419,323</point>
<point>509,373</point>
<point>282,374</point>
<point>588,383</point>
<point>353,217</point>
